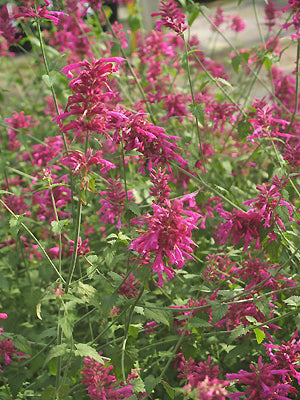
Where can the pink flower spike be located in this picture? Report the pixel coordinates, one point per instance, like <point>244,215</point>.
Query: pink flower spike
<point>3,316</point>
<point>171,17</point>
<point>168,237</point>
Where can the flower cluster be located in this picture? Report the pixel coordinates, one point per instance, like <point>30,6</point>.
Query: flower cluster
<point>168,237</point>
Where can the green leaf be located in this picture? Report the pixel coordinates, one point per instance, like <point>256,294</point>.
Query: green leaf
<point>198,112</point>
<point>108,301</point>
<point>134,22</point>
<point>235,62</point>
<point>171,392</point>
<point>244,128</point>
<point>251,319</point>
<point>293,301</point>
<point>158,316</point>
<point>66,326</point>
<point>57,226</point>
<point>15,381</point>
<point>221,80</point>
<point>237,332</point>
<point>272,248</point>
<point>15,225</point>
<point>57,351</point>
<point>199,323</point>
<point>4,396</point>
<point>84,350</point>
<point>260,335</point>
<point>150,382</point>
<point>134,208</point>
<point>192,14</point>
<point>218,311</point>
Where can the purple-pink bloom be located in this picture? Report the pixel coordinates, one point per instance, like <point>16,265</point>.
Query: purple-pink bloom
<point>128,288</point>
<point>80,162</point>
<point>237,23</point>
<point>168,237</point>
<point>239,225</point>
<point>114,203</point>
<point>171,17</point>
<point>102,383</point>
<point>286,357</point>
<point>39,12</point>
<point>262,383</point>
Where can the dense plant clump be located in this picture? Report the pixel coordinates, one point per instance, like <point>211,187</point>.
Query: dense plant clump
<point>149,208</point>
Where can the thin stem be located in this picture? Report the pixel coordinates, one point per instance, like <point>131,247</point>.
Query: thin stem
<point>48,73</point>
<point>75,248</point>
<point>297,86</point>
<point>129,66</point>
<point>34,238</point>
<point>194,102</point>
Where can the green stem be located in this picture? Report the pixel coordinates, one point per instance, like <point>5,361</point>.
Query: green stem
<point>297,86</point>
<point>48,73</point>
<point>75,248</point>
<point>194,102</point>
<point>129,67</point>
<point>34,238</point>
<point>126,332</point>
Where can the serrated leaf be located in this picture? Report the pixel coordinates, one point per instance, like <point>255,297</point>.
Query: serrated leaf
<point>293,300</point>
<point>108,301</point>
<point>150,382</point>
<point>218,311</point>
<point>199,323</point>
<point>171,392</point>
<point>244,128</point>
<point>57,226</point>
<point>84,350</point>
<point>198,112</point>
<point>15,225</point>
<point>235,62</point>
<point>66,325</point>
<point>134,208</point>
<point>56,351</point>
<point>251,319</point>
<point>158,316</point>
<point>237,332</point>
<point>259,334</point>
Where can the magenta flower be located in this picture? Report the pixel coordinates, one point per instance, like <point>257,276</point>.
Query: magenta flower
<point>114,203</point>
<point>171,17</point>
<point>271,13</point>
<point>269,199</point>
<point>17,124</point>
<point>3,316</point>
<point>262,383</point>
<point>207,389</point>
<point>128,288</point>
<point>150,327</point>
<point>240,226</point>
<point>286,357</point>
<point>102,383</point>
<point>237,23</point>
<point>160,189</point>
<point>39,12</point>
<point>294,5</point>
<point>218,18</point>
<point>58,292</point>
<point>80,163</point>
<point>168,237</point>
